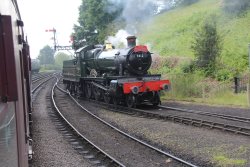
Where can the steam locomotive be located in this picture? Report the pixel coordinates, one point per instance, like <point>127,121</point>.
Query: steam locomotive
<point>118,76</point>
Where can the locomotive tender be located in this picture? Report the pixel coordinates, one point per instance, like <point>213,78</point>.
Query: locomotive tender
<point>114,75</point>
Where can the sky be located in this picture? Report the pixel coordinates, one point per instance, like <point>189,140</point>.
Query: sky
<point>39,15</point>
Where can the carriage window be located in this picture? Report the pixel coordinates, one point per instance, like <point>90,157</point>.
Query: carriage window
<point>8,92</point>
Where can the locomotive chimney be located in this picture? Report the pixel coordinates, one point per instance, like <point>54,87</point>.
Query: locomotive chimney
<point>131,40</point>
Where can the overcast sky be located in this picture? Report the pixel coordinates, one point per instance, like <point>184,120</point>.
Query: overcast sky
<point>39,15</point>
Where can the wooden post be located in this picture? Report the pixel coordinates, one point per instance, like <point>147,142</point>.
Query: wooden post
<point>249,55</point>
<point>248,94</point>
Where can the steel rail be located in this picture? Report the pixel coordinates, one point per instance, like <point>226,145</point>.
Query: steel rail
<point>126,134</point>
<point>78,133</point>
<point>40,77</point>
<point>175,118</point>
<point>190,121</point>
<point>223,116</point>
<point>33,90</point>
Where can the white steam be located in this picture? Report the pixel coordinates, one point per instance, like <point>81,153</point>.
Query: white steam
<point>134,11</point>
<point>119,40</point>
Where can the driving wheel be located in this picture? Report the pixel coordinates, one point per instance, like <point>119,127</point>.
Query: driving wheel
<point>131,100</point>
<point>88,90</point>
<point>107,98</point>
<point>97,93</point>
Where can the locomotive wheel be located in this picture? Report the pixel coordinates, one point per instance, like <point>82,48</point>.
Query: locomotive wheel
<point>77,91</point>
<point>67,86</point>
<point>156,99</point>
<point>116,100</point>
<point>72,88</point>
<point>97,93</point>
<point>107,98</point>
<point>88,90</point>
<point>130,100</point>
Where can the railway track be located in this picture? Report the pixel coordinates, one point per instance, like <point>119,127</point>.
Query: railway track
<point>174,160</point>
<point>187,120</point>
<point>40,80</point>
<point>223,116</point>
<point>38,77</point>
<point>40,84</point>
<point>82,144</point>
<point>233,124</point>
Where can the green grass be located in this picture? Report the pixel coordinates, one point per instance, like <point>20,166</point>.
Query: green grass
<point>227,98</point>
<point>171,33</point>
<point>224,161</point>
<point>227,155</point>
<point>196,88</point>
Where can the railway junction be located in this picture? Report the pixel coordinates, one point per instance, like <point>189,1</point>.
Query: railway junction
<point>83,132</point>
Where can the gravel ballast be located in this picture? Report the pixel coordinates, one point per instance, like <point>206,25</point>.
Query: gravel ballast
<point>122,148</point>
<point>204,147</point>
<point>49,146</point>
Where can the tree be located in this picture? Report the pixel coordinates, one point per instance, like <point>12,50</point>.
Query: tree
<point>94,18</point>
<point>46,55</point>
<point>207,46</point>
<point>60,57</point>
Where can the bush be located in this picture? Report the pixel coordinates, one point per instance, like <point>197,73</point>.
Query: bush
<point>236,7</point>
<point>185,85</point>
<point>223,74</point>
<point>188,67</point>
<point>207,46</point>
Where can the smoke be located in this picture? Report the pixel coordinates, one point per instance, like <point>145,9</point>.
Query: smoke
<point>119,40</point>
<point>134,12</point>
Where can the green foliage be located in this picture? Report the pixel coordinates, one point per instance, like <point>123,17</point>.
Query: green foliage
<point>207,46</point>
<point>59,58</point>
<point>188,67</point>
<point>224,74</point>
<point>46,55</point>
<point>49,67</point>
<point>236,7</point>
<point>171,33</point>
<point>185,85</point>
<point>94,17</point>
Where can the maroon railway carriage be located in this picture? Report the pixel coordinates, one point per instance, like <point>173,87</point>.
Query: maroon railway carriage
<point>15,97</point>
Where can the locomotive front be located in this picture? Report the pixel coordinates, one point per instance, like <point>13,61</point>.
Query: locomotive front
<point>134,60</point>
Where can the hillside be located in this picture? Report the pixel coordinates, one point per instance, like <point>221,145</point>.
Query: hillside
<point>171,33</point>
